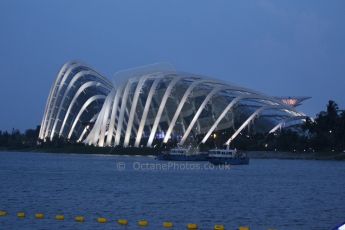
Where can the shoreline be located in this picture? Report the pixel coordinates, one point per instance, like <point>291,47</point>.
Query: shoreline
<point>79,149</point>
<point>337,156</point>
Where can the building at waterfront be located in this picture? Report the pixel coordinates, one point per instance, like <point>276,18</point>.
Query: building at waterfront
<point>152,106</point>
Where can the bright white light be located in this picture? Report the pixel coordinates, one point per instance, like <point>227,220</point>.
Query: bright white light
<point>342,227</point>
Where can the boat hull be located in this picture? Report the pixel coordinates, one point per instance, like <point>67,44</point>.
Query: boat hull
<point>229,161</point>
<point>192,157</point>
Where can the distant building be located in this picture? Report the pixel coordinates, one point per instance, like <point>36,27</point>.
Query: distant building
<point>157,106</point>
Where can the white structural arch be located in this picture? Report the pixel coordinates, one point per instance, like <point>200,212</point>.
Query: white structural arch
<point>122,112</point>
<point>71,85</point>
<point>180,106</point>
<point>83,108</point>
<point>74,100</point>
<point>198,112</point>
<point>228,108</point>
<point>48,106</point>
<point>139,103</point>
<point>283,122</point>
<point>59,85</point>
<point>133,108</point>
<point>145,112</point>
<point>113,115</point>
<point>161,108</point>
<point>251,118</point>
<point>71,75</point>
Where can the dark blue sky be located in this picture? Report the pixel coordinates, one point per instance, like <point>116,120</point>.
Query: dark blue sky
<point>281,48</point>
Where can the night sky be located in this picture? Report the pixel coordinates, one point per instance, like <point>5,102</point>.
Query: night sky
<point>281,48</point>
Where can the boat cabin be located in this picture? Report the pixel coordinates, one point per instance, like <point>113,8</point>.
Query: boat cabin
<point>222,152</point>
<point>178,151</point>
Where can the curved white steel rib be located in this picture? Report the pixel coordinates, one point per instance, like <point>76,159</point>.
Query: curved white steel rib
<point>201,108</point>
<point>161,108</point>
<point>86,104</point>
<point>133,108</point>
<point>75,78</point>
<point>92,138</point>
<point>113,115</point>
<point>51,93</point>
<point>71,85</point>
<point>180,106</point>
<point>145,112</point>
<point>51,98</point>
<point>105,119</point>
<point>122,112</point>
<point>183,101</point>
<point>226,110</point>
<point>258,111</point>
<point>59,86</point>
<point>283,122</point>
<point>80,90</point>
<point>85,129</point>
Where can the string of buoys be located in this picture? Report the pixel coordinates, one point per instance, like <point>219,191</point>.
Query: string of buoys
<point>141,223</point>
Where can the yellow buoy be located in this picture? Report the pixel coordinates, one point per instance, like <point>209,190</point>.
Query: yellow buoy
<point>143,223</point>
<point>21,214</point>
<point>101,220</point>
<point>3,213</point>
<point>192,226</point>
<point>167,224</point>
<point>39,215</point>
<point>243,228</point>
<point>122,222</point>
<point>219,227</point>
<point>59,217</point>
<point>79,219</point>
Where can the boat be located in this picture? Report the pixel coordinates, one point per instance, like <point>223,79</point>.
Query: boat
<point>183,154</point>
<point>227,157</point>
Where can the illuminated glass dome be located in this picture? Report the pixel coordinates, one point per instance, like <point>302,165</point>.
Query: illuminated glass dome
<point>155,106</point>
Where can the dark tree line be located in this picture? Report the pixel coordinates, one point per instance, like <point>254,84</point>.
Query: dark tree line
<point>18,140</point>
<point>28,141</point>
<point>323,134</point>
<point>327,131</point>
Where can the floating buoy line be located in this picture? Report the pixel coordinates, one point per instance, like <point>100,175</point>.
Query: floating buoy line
<point>102,220</point>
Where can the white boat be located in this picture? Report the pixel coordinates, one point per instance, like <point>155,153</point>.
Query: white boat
<point>183,154</point>
<point>227,156</point>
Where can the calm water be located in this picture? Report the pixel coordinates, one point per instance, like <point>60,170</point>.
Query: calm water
<point>280,194</point>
